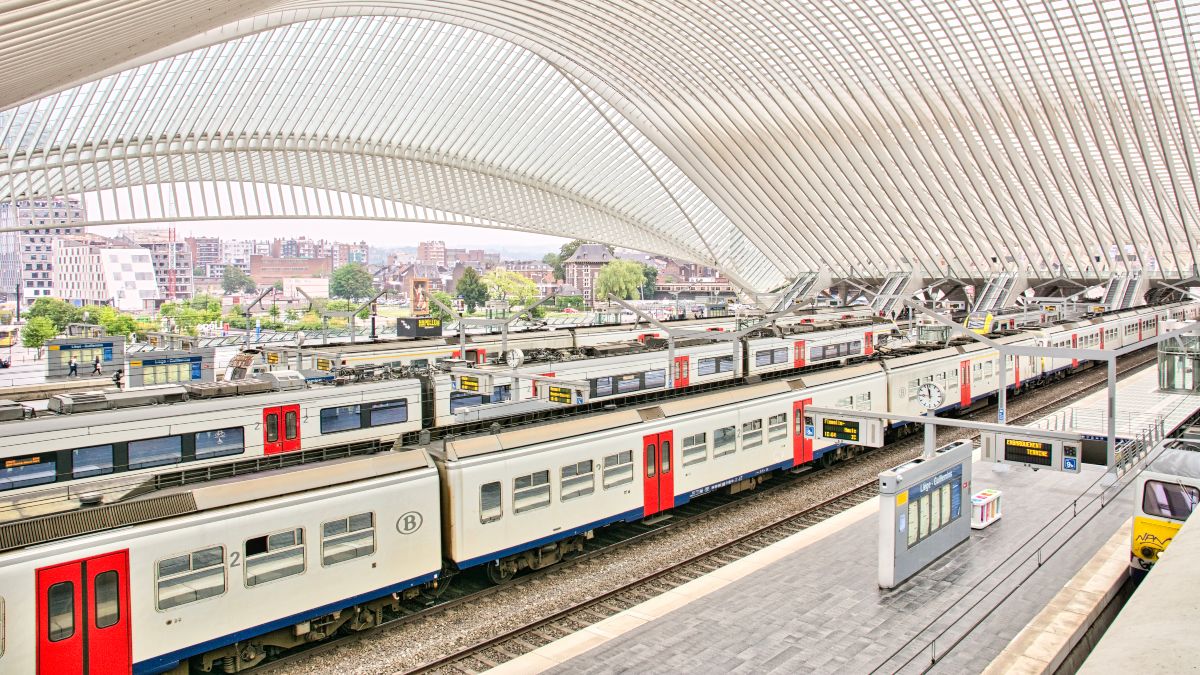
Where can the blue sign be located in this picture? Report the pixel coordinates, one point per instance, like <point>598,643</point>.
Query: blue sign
<point>809,430</point>
<point>1070,464</point>
<point>196,369</point>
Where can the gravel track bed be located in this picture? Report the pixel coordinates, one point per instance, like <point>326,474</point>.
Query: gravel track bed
<point>408,646</point>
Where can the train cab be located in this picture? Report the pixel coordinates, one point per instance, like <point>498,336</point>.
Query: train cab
<point>1167,493</point>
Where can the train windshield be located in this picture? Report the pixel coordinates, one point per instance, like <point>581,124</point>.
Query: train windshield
<point>1169,500</point>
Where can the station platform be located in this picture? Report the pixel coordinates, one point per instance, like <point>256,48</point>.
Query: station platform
<point>1017,596</point>
<point>1140,405</point>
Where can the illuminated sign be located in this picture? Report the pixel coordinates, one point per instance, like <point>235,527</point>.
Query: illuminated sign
<point>324,364</point>
<point>468,383</point>
<point>13,463</point>
<point>416,327</point>
<point>1037,453</point>
<point>273,358</point>
<point>842,430</point>
<point>429,323</point>
<point>559,395</point>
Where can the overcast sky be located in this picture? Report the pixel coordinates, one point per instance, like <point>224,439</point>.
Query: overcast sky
<point>374,232</point>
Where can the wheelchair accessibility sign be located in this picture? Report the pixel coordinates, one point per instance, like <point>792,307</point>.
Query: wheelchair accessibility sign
<point>810,430</point>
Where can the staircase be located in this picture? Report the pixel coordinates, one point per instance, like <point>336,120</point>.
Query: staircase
<point>996,293</point>
<point>890,293</point>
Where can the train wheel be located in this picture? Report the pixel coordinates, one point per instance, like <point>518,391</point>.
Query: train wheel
<point>498,573</point>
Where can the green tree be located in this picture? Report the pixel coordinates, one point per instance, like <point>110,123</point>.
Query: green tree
<point>472,289</point>
<point>279,285</point>
<point>114,321</point>
<point>352,281</point>
<point>436,310</point>
<point>274,312</point>
<point>36,331</point>
<point>234,280</point>
<point>517,289</point>
<point>58,312</point>
<point>554,260</point>
<point>650,285</point>
<point>291,316</point>
<point>622,278</point>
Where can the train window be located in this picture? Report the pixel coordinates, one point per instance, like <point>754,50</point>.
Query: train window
<point>155,452</point>
<point>94,461</point>
<point>777,427</point>
<point>602,386</point>
<point>190,577</point>
<point>618,469</point>
<point>60,610</point>
<point>578,480</point>
<point>341,418</point>
<point>491,507</point>
<point>706,366</point>
<point>531,491</point>
<point>724,441</point>
<point>629,383</point>
<point>666,456</point>
<point>389,412</point>
<point>651,461</point>
<point>725,364</point>
<point>220,442</point>
<point>1169,500</point>
<point>862,401</point>
<point>655,379</point>
<point>762,357</point>
<point>348,538</point>
<point>274,556</point>
<point>107,599</point>
<point>695,449</point>
<point>751,434</point>
<point>272,427</point>
<point>845,402</point>
<point>19,472</point>
<point>291,426</point>
<point>780,355</point>
<point>913,385</point>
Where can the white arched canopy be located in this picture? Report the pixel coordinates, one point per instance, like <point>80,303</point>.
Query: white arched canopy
<point>768,138</point>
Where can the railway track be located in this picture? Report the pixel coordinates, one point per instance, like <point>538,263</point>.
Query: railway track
<point>469,590</point>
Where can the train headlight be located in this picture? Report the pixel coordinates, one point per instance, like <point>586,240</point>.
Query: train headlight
<point>1149,553</point>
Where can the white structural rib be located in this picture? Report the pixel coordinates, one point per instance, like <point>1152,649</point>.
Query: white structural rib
<point>768,138</point>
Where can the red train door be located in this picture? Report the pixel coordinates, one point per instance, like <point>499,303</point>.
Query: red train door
<point>1016,372</point>
<point>682,371</point>
<point>1074,345</point>
<point>281,429</point>
<point>802,445</point>
<point>869,343</point>
<point>533,385</point>
<point>83,617</point>
<point>964,383</point>
<point>799,360</point>
<point>659,473</point>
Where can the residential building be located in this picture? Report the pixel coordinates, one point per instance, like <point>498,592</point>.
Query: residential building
<point>266,270</point>
<point>432,253</point>
<point>344,254</point>
<point>237,252</point>
<point>26,257</point>
<point>206,256</point>
<point>582,268</point>
<point>172,261</point>
<point>105,272</point>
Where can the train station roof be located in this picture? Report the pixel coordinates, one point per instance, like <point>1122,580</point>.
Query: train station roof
<point>765,137</point>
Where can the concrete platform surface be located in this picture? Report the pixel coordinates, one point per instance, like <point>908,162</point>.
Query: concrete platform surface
<point>811,603</point>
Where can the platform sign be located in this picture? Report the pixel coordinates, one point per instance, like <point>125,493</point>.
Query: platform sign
<point>921,511</point>
<point>864,431</point>
<point>476,383</point>
<point>273,358</point>
<point>1055,454</point>
<point>324,364</point>
<point>559,395</point>
<point>419,326</point>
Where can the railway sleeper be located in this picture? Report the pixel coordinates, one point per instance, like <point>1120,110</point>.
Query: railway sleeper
<point>241,656</point>
<point>499,571</point>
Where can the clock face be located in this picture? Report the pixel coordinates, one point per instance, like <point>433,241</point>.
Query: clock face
<point>929,396</point>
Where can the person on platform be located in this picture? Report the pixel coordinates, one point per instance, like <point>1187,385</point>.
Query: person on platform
<point>117,378</point>
<point>72,368</point>
<point>96,367</point>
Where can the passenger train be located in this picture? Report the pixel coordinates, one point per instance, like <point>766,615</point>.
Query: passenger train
<point>1168,491</point>
<point>218,575</point>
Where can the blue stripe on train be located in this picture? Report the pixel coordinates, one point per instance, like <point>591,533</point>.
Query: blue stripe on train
<point>165,662</point>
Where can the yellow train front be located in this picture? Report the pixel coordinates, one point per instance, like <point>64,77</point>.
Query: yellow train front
<point>1167,493</point>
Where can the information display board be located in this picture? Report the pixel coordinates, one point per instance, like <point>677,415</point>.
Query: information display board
<point>842,430</point>
<point>324,364</point>
<point>171,367</point>
<point>468,383</point>
<point>921,511</point>
<point>1054,454</point>
<point>559,395</point>
<point>1023,451</point>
